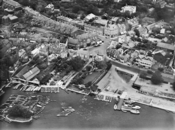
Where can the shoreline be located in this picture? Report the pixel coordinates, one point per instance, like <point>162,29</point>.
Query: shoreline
<point>18,120</point>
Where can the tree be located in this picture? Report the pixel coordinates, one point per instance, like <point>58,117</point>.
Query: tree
<point>137,32</point>
<point>143,74</point>
<point>77,63</point>
<point>173,86</point>
<point>109,65</point>
<point>100,64</point>
<point>88,68</point>
<point>94,87</point>
<point>19,111</point>
<point>156,78</point>
<point>88,84</point>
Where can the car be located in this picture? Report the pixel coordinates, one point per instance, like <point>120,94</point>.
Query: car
<point>84,48</point>
<point>96,45</point>
<point>100,42</point>
<point>2,37</point>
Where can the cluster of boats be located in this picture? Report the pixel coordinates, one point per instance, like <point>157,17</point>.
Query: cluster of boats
<point>27,88</point>
<point>66,111</point>
<point>128,107</point>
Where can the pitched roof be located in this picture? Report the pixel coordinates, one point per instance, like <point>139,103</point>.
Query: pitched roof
<point>72,41</point>
<point>32,73</point>
<point>12,2</point>
<point>22,71</point>
<point>90,16</point>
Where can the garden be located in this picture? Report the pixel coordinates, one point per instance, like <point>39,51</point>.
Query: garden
<point>85,81</point>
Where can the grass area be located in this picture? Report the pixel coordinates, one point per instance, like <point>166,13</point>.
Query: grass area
<point>92,77</point>
<point>126,77</point>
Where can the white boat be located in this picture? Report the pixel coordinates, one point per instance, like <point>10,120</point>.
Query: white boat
<point>135,111</point>
<point>115,107</point>
<point>132,106</point>
<point>129,102</point>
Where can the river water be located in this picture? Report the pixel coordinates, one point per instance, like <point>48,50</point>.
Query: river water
<point>91,114</point>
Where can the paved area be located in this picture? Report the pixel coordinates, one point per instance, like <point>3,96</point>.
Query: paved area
<point>132,93</point>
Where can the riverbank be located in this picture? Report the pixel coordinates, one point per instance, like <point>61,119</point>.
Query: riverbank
<point>90,114</point>
<point>18,120</point>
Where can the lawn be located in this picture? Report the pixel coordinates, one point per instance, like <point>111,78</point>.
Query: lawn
<point>92,77</point>
<point>126,77</point>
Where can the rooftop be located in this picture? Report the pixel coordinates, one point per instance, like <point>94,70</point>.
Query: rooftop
<point>73,41</point>
<point>12,2</point>
<point>90,16</point>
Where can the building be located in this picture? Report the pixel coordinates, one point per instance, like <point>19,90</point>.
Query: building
<point>31,73</point>
<point>97,30</point>
<point>50,88</point>
<point>20,73</point>
<point>89,17</point>
<point>161,3</point>
<point>131,9</point>
<point>95,1</point>
<point>10,4</point>
<point>50,6</point>
<point>143,31</point>
<point>9,18</point>
<point>70,21</point>
<point>117,1</point>
<point>67,1</point>
<point>145,62</point>
<point>73,43</point>
<point>134,22</point>
<point>165,46</point>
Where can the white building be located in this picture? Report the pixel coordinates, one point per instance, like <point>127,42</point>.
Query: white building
<point>131,9</point>
<point>147,63</point>
<point>50,6</point>
<point>89,17</point>
<point>50,88</point>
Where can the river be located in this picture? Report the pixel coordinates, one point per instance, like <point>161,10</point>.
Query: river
<point>91,114</point>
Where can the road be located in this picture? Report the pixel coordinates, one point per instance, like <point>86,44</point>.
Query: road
<point>101,50</point>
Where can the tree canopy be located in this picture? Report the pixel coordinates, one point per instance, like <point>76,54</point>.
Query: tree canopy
<point>156,78</point>
<point>77,63</point>
<point>19,111</point>
<point>173,86</point>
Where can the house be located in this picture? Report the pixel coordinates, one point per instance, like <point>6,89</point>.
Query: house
<point>89,17</point>
<point>97,30</point>
<point>21,72</point>
<point>9,18</point>
<point>161,3</point>
<point>143,31</point>
<point>67,1</point>
<point>10,4</point>
<point>73,43</point>
<point>134,22</point>
<point>50,6</point>
<point>31,73</point>
<point>165,46</point>
<point>131,9</point>
<point>147,21</point>
<point>112,31</point>
<point>9,11</point>
<point>95,1</point>
<point>117,1</point>
<point>145,62</point>
<point>101,22</point>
